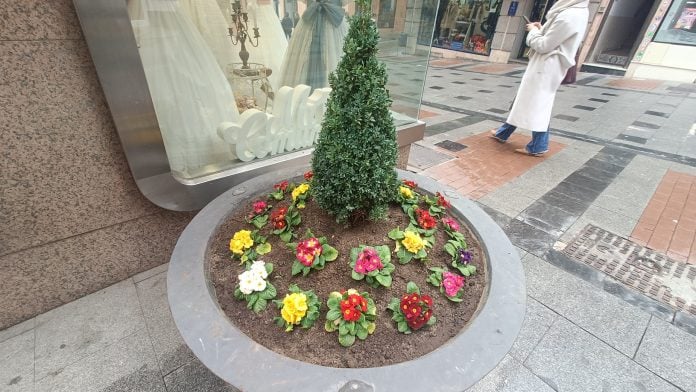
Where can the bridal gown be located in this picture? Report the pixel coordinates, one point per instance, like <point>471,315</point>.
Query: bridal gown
<point>189,91</point>
<point>316,45</point>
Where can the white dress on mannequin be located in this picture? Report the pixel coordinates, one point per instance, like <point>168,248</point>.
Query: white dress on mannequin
<point>189,91</point>
<point>212,24</point>
<point>316,45</point>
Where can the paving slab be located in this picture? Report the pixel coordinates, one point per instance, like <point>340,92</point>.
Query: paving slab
<point>537,322</point>
<point>571,360</point>
<point>73,331</point>
<point>195,377</point>
<point>170,349</point>
<point>17,329</point>
<point>670,353</point>
<point>614,321</point>
<point>127,365</point>
<point>510,376</point>
<point>17,363</point>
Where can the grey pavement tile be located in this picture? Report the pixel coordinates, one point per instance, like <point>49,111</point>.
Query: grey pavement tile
<point>670,353</point>
<point>508,200</point>
<point>614,321</point>
<point>612,221</point>
<point>194,377</point>
<point>570,359</point>
<point>548,218</point>
<point>529,238</point>
<point>127,365</point>
<point>17,363</point>
<point>17,329</point>
<point>685,321</point>
<point>151,272</point>
<point>537,321</point>
<point>510,376</point>
<point>170,348</point>
<point>66,334</point>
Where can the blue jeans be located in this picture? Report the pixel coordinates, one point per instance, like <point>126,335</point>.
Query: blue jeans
<point>539,143</point>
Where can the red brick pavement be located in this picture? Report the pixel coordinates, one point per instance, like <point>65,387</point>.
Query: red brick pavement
<point>486,164</point>
<point>668,223</point>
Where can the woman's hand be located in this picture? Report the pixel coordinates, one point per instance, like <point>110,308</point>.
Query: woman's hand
<point>533,26</point>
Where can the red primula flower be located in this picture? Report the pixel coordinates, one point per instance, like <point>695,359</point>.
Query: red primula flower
<point>308,176</point>
<point>353,307</point>
<point>410,184</point>
<point>351,314</point>
<point>260,206</point>
<point>282,186</point>
<point>425,220</point>
<point>279,225</point>
<point>441,201</point>
<point>417,309</point>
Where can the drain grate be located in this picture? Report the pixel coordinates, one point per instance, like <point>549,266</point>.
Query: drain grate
<point>450,145</point>
<point>642,269</point>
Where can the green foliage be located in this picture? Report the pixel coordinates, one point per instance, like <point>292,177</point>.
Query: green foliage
<point>356,153</point>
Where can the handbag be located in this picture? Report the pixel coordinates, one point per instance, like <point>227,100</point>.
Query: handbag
<point>572,72</point>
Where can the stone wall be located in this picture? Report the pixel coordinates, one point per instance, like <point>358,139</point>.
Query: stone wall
<point>71,218</point>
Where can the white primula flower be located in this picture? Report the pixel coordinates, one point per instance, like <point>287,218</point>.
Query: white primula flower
<point>259,285</point>
<point>259,268</point>
<point>247,282</point>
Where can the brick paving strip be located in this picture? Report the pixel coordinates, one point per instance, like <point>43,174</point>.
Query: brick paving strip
<point>642,269</point>
<point>668,223</point>
<point>486,164</point>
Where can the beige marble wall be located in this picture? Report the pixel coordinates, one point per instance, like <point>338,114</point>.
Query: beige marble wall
<point>71,218</point>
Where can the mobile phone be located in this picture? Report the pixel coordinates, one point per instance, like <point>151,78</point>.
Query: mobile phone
<point>526,19</point>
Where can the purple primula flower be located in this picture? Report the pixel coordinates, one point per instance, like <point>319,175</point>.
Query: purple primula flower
<point>465,256</point>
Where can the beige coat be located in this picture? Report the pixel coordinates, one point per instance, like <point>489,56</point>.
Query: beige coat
<point>553,53</point>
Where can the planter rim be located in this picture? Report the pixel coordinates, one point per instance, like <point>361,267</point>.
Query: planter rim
<point>230,354</point>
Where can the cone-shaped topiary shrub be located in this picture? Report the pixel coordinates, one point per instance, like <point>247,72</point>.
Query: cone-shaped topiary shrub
<point>353,164</point>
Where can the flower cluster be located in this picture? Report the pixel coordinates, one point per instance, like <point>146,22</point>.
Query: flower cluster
<point>450,284</point>
<point>298,308</point>
<point>413,311</point>
<point>254,286</point>
<point>300,194</point>
<point>450,224</point>
<point>308,176</point>
<point>283,219</point>
<point>410,244</point>
<point>368,260</point>
<point>372,264</point>
<point>311,253</point>
<point>441,201</point>
<point>353,314</point>
<point>259,217</point>
<point>308,250</point>
<point>278,218</point>
<point>424,219</point>
<point>410,184</point>
<point>242,245</point>
<point>406,195</point>
<point>438,204</point>
<point>462,257</point>
<point>279,190</point>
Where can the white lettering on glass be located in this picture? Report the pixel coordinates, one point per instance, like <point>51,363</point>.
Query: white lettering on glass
<point>295,123</point>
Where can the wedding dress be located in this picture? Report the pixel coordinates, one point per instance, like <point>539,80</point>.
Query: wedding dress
<point>316,45</point>
<point>190,93</point>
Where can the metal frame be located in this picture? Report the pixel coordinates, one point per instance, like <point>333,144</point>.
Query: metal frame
<point>111,41</point>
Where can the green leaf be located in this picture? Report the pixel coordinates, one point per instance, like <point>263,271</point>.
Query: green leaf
<point>329,252</point>
<point>412,288</point>
<point>333,314</point>
<point>384,280</point>
<point>329,326</point>
<point>263,249</point>
<point>362,333</point>
<point>260,221</point>
<point>356,275</point>
<point>296,267</point>
<point>333,302</point>
<point>432,320</point>
<point>286,236</point>
<point>404,256</point>
<point>344,328</point>
<point>371,328</point>
<point>269,268</point>
<point>384,253</point>
<point>305,270</point>
<point>259,305</point>
<point>346,340</point>
<point>402,327</point>
<point>269,292</point>
<point>354,252</point>
<point>396,234</point>
<point>450,249</point>
<point>421,254</point>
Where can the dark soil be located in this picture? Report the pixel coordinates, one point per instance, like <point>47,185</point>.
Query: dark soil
<point>386,346</point>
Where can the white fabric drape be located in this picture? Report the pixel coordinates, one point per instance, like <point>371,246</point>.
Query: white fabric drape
<point>190,93</point>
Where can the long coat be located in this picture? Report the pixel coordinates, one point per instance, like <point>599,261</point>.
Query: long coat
<point>553,53</point>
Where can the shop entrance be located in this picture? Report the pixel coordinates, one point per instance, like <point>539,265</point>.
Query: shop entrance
<point>620,35</point>
<point>537,14</point>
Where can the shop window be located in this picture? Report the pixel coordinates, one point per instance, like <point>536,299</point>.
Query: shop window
<point>466,25</point>
<point>387,13</point>
<point>679,25</point>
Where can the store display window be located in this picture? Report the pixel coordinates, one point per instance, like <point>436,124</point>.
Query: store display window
<point>239,81</point>
<point>466,25</point>
<point>679,25</point>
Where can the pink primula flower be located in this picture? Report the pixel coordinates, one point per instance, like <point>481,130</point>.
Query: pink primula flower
<point>452,283</point>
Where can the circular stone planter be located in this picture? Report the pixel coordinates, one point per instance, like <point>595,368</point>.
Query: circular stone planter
<point>249,366</point>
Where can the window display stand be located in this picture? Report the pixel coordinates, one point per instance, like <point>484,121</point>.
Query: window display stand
<point>250,83</point>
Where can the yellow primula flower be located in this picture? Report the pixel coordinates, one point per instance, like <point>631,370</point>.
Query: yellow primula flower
<point>241,241</point>
<point>412,242</point>
<point>406,192</point>
<point>300,190</point>
<point>294,308</point>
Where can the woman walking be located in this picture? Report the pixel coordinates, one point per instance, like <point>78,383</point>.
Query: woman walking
<point>554,46</point>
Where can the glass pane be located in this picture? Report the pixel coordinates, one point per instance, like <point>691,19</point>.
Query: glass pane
<point>679,25</point>
<point>239,81</point>
<point>466,25</point>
